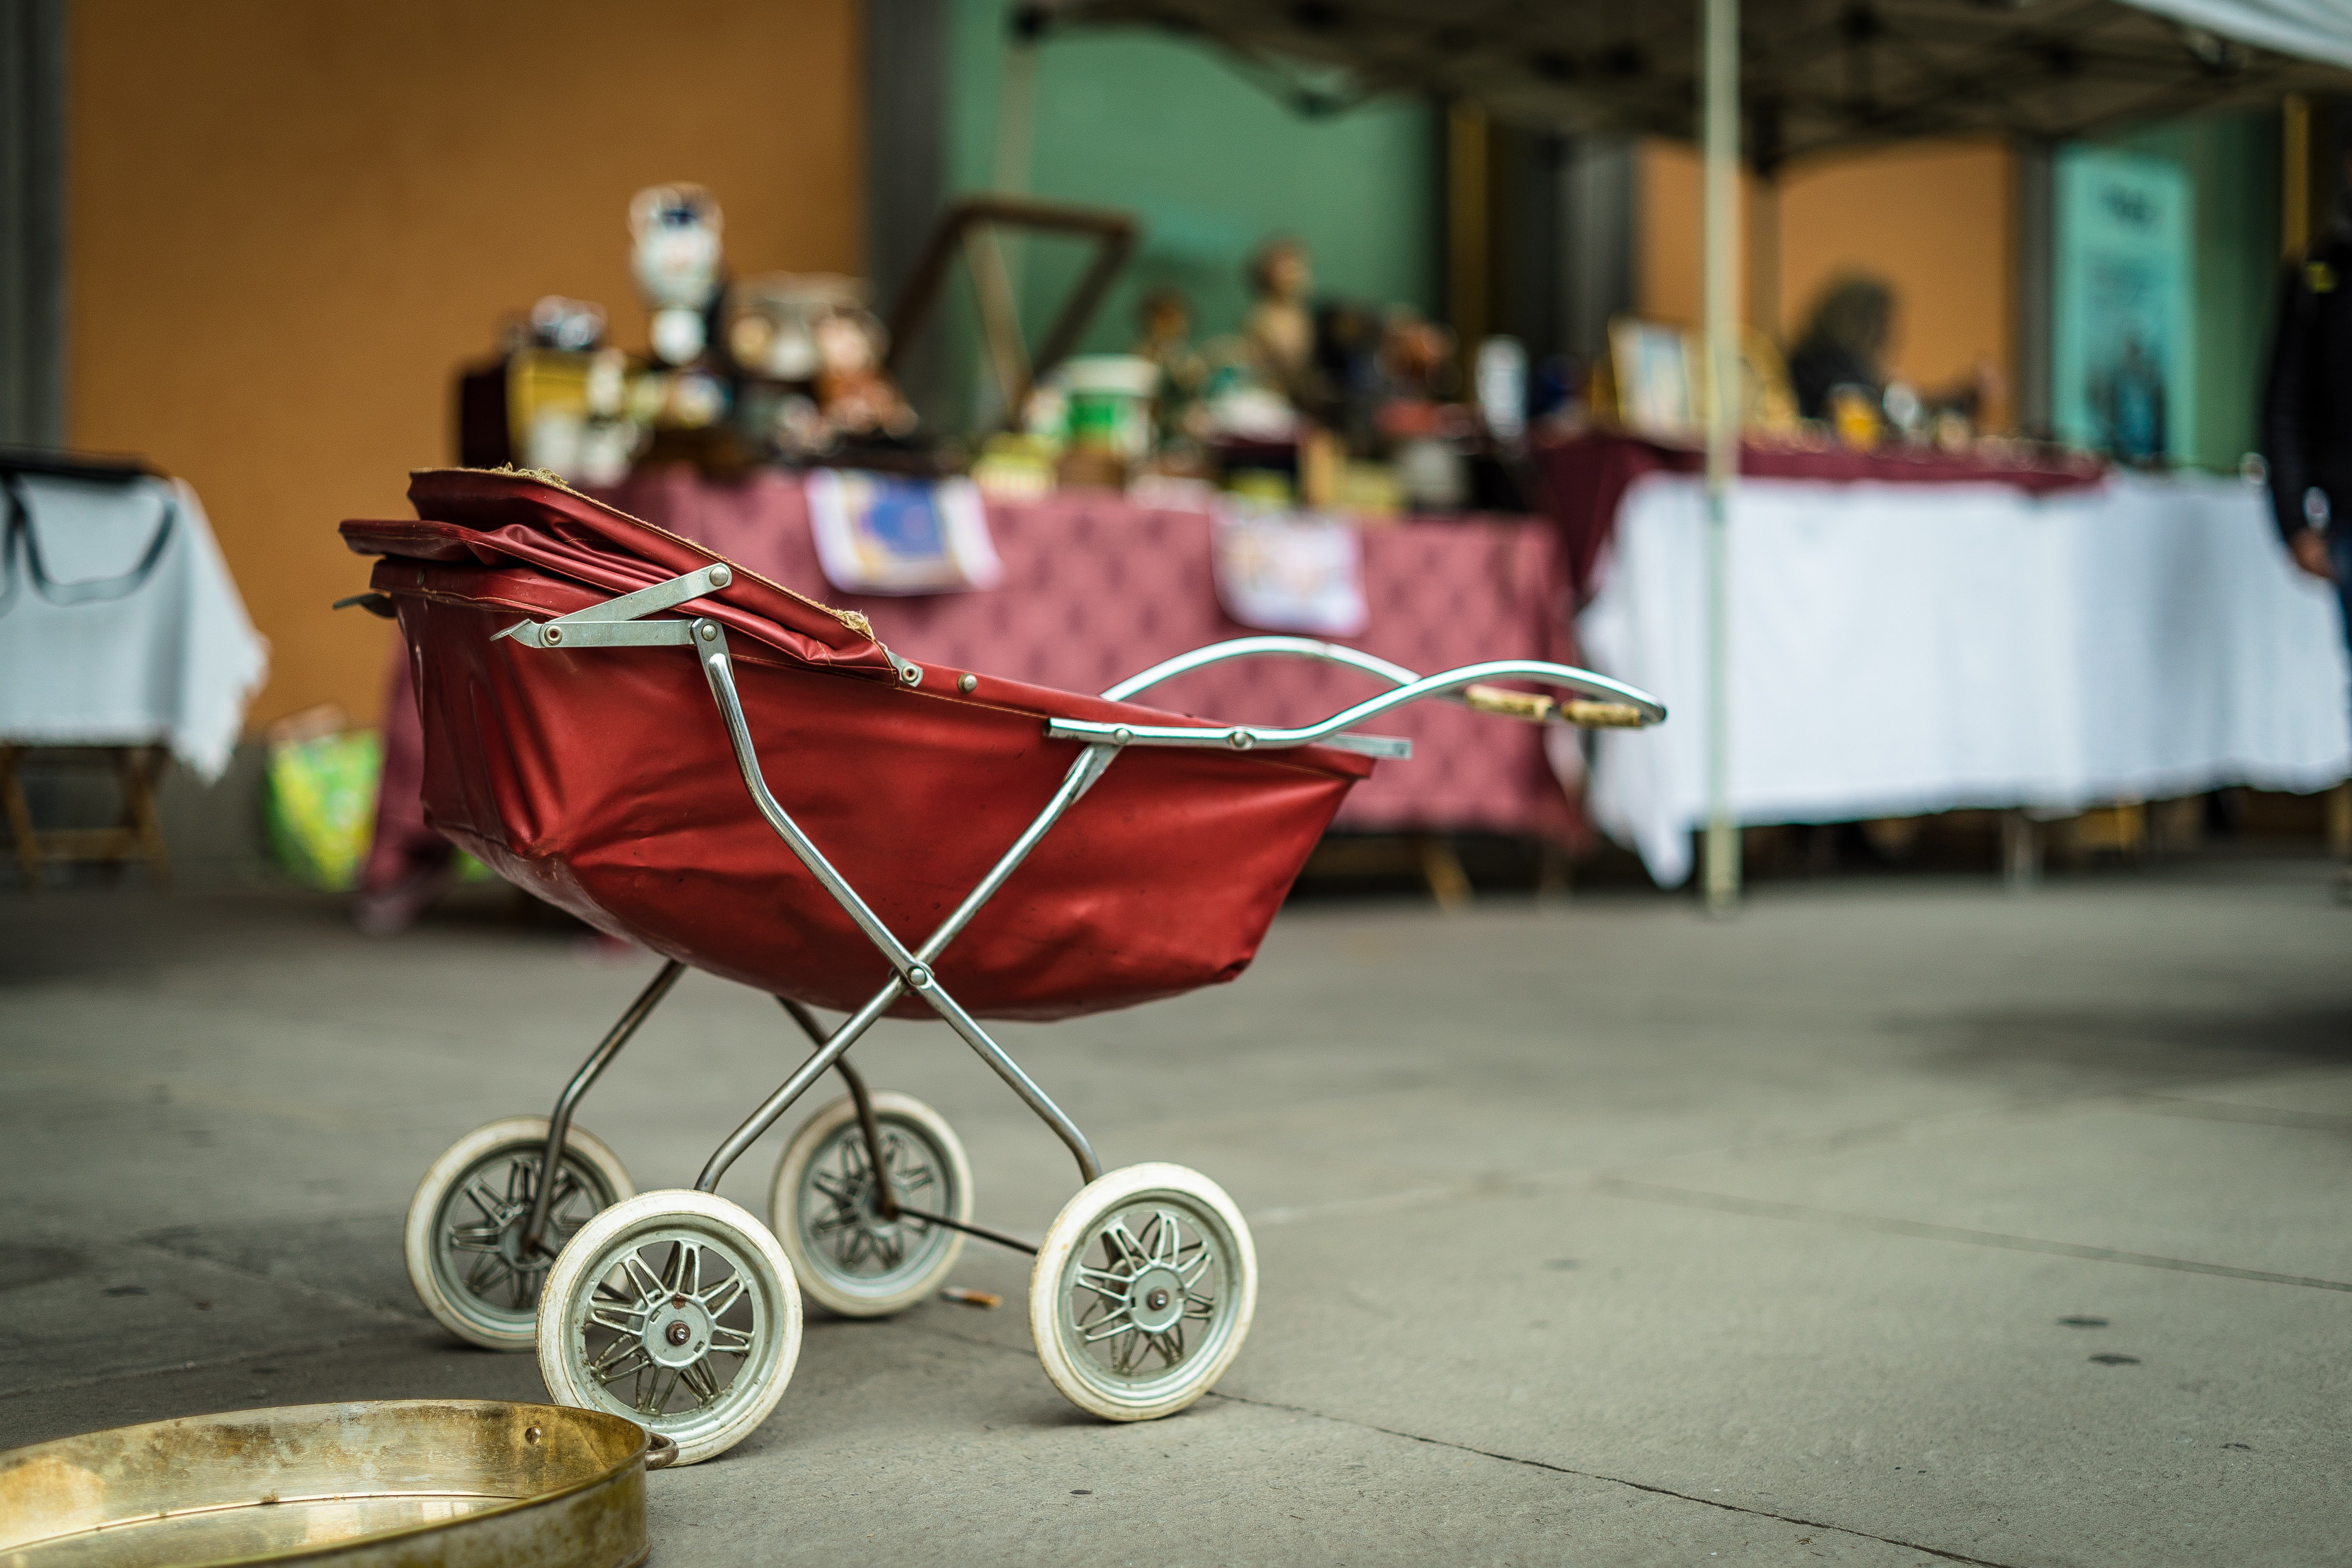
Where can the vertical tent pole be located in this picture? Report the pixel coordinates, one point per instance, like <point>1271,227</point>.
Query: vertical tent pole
<point>1719,137</point>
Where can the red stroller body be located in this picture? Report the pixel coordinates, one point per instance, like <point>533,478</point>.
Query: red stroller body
<point>800,809</point>
<point>601,782</point>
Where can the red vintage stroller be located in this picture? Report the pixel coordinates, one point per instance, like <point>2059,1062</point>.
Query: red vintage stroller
<point>807,812</point>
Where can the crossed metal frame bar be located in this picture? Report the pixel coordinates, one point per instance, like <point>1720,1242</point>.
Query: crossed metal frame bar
<point>616,624</point>
<point>870,1131</point>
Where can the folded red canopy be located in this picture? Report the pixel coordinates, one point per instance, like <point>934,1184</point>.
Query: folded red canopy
<point>603,781</point>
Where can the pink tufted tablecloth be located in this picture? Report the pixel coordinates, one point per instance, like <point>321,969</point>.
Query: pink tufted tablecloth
<point>1097,587</point>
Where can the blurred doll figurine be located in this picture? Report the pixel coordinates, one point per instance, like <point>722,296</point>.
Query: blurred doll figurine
<point>772,320</point>
<point>676,262</point>
<point>1279,328</point>
<point>1165,318</point>
<point>1417,357</point>
<point>855,396</point>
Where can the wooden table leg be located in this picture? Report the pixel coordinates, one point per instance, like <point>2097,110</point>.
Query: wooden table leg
<point>2020,850</point>
<point>1442,870</point>
<point>1555,872</point>
<point>143,770</point>
<point>20,815</point>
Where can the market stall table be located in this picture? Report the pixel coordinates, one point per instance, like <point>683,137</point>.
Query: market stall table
<point>121,634</point>
<point>1586,476</point>
<point>1954,641</point>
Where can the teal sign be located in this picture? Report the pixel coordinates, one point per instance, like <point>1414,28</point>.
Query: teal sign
<point>2123,349</point>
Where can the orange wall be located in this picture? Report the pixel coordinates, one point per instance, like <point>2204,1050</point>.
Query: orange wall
<point>1669,280</point>
<point>1936,219</point>
<point>292,219</point>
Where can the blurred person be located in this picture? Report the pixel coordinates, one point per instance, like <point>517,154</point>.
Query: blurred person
<point>2306,419</point>
<point>408,864</point>
<point>1847,343</point>
<point>1844,344</point>
<point>2307,402</point>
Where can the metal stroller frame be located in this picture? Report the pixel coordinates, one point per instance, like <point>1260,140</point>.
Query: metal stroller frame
<point>619,623</point>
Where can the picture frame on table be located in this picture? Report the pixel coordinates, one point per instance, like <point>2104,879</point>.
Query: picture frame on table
<point>1658,385</point>
<point>1654,372</point>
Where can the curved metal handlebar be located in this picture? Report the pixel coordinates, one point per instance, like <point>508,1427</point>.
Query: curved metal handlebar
<point>1256,648</point>
<point>1618,704</point>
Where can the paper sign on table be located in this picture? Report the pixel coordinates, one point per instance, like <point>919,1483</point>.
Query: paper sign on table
<point>879,534</point>
<point>1287,574</point>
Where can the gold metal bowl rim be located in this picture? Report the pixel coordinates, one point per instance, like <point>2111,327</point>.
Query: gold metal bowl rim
<point>647,1451</point>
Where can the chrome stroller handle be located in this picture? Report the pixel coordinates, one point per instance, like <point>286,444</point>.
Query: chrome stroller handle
<point>1599,700</point>
<point>1605,703</point>
<point>1260,647</point>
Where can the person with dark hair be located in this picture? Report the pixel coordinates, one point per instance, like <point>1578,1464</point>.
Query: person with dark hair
<point>1845,344</point>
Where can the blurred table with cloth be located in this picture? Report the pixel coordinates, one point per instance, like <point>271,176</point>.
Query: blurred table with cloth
<point>120,628</point>
<point>1954,638</point>
<point>1095,587</point>
<point>1585,478</point>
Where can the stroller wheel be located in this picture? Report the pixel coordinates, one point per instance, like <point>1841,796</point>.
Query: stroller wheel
<point>1142,1292</point>
<point>678,1311</point>
<point>464,1236</point>
<point>847,1255</point>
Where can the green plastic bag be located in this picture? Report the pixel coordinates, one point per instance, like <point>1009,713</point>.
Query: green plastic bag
<point>321,805</point>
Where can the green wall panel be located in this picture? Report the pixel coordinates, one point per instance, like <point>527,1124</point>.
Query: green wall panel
<point>2232,162</point>
<point>1210,162</point>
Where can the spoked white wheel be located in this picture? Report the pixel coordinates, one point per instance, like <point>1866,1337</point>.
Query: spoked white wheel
<point>1142,1292</point>
<point>463,1236</point>
<point>678,1311</point>
<point>827,1211</point>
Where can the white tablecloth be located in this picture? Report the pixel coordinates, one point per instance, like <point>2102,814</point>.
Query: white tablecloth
<point>1898,650</point>
<point>173,662</point>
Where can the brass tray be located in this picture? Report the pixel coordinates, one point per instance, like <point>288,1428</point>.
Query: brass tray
<point>387,1484</point>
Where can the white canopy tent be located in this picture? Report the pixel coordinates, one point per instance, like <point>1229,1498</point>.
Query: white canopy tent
<point>2306,30</point>
<point>1801,77</point>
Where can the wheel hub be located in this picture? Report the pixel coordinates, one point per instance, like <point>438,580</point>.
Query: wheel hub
<point>869,1205</point>
<point>512,1217</point>
<point>1156,1299</point>
<point>676,1332</point>
<point>520,1258</point>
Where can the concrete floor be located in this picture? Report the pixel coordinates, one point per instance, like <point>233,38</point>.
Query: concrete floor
<point>1891,1223</point>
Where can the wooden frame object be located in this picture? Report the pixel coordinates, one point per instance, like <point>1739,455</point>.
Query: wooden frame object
<point>969,227</point>
<point>139,835</point>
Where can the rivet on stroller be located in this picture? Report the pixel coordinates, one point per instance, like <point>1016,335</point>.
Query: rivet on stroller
<point>803,810</point>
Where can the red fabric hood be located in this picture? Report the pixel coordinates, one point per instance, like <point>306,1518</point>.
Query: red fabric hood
<point>493,517</point>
